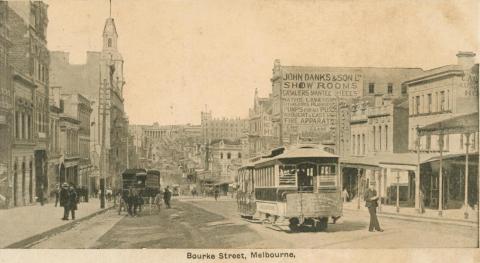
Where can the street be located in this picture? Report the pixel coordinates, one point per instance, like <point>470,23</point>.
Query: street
<point>206,223</point>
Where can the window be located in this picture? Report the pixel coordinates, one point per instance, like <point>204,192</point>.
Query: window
<point>417,104</point>
<point>429,142</point>
<point>390,88</point>
<point>371,88</point>
<point>363,146</point>
<point>353,144</point>
<point>442,101</point>
<point>221,155</point>
<point>229,155</point>
<point>358,145</point>
<point>374,140</point>
<point>17,125</point>
<point>429,103</point>
<point>239,155</point>
<point>380,137</point>
<point>109,42</point>
<point>404,89</point>
<point>386,137</point>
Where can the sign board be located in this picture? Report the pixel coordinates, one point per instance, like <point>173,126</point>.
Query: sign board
<point>314,204</point>
<point>310,98</point>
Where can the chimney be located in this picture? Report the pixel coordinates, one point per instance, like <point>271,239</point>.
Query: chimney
<point>466,59</point>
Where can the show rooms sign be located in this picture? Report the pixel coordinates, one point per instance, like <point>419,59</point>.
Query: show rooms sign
<point>310,99</point>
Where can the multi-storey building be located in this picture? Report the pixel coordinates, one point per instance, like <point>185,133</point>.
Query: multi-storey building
<point>54,150</point>
<point>260,133</point>
<point>305,100</point>
<point>226,158</point>
<point>78,107</point>
<point>222,128</point>
<point>101,81</point>
<point>443,121</point>
<point>6,106</point>
<point>27,23</point>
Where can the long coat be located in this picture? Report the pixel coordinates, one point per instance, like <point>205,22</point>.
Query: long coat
<point>72,200</point>
<point>64,197</point>
<point>369,194</point>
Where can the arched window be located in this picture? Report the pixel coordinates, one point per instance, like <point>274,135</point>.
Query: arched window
<point>109,42</point>
<point>229,155</point>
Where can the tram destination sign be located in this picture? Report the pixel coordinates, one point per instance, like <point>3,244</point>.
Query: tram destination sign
<point>310,98</point>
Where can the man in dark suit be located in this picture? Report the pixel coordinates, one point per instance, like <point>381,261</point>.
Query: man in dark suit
<point>371,199</point>
<point>64,200</point>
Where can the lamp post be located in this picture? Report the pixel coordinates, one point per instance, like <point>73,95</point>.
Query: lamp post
<point>467,145</point>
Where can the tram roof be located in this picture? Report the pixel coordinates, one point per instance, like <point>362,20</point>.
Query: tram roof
<point>305,152</point>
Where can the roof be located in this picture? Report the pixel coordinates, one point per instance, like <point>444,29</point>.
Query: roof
<point>434,73</point>
<point>467,123</point>
<point>449,156</point>
<point>305,152</point>
<point>386,159</point>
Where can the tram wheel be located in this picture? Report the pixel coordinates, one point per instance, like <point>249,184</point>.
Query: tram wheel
<point>321,224</point>
<point>294,224</point>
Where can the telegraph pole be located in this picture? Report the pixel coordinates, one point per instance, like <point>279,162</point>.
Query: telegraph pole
<point>103,107</point>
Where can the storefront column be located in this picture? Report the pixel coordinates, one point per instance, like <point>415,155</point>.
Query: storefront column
<point>440,176</point>
<point>398,191</point>
<point>467,145</point>
<point>417,175</point>
<point>378,179</point>
<point>358,187</point>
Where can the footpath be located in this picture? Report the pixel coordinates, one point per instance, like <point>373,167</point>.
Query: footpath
<point>27,224</point>
<point>450,216</point>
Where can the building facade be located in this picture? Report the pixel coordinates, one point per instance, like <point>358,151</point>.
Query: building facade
<point>260,133</point>
<point>222,128</point>
<point>6,109</point>
<point>101,81</point>
<point>305,100</point>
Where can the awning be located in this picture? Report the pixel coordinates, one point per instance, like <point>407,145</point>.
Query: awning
<point>460,156</point>
<point>467,123</point>
<point>223,182</point>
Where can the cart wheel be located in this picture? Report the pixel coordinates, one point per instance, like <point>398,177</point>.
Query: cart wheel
<point>294,224</point>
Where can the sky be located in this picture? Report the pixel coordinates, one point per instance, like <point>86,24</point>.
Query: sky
<point>182,56</point>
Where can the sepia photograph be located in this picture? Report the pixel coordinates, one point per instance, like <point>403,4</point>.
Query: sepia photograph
<point>239,130</point>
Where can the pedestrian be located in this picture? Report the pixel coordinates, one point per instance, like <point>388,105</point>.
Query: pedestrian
<point>57,194</point>
<point>167,195</point>
<point>158,200</point>
<point>422,201</point>
<point>371,199</point>
<point>130,201</point>
<point>73,200</point>
<point>63,195</point>
<point>345,195</point>
<point>140,202</point>
<point>215,193</point>
<point>122,201</point>
<point>40,195</point>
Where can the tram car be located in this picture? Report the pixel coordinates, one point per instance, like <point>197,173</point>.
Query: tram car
<point>300,184</point>
<point>246,205</point>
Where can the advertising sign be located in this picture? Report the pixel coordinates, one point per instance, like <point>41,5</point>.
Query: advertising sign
<point>310,99</point>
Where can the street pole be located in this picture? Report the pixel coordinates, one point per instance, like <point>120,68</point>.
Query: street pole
<point>398,191</point>
<point>417,174</point>
<point>128,154</point>
<point>440,176</point>
<point>103,106</point>
<point>467,144</point>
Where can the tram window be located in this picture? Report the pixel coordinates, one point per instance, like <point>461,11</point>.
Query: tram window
<point>287,176</point>
<point>327,178</point>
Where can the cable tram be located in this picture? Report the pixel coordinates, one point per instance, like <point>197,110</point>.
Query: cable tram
<point>246,192</point>
<point>300,184</point>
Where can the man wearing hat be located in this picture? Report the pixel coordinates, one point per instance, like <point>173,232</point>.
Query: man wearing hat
<point>371,199</point>
<point>64,200</point>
